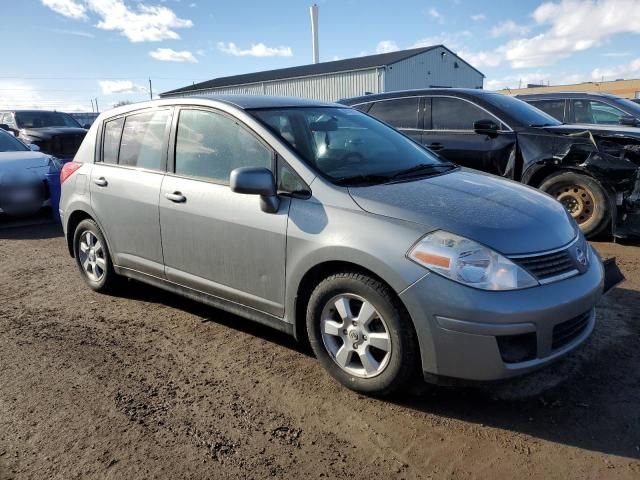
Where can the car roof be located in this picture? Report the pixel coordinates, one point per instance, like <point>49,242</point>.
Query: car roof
<point>550,95</point>
<point>458,92</point>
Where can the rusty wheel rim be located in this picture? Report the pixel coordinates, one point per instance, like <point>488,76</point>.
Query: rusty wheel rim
<point>578,201</point>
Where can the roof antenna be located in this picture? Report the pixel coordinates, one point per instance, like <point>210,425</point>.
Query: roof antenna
<point>313,11</point>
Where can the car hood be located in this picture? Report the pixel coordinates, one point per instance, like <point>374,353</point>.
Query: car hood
<point>609,130</point>
<point>48,132</point>
<point>506,216</point>
<point>23,160</point>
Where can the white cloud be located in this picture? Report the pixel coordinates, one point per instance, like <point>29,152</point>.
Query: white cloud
<point>145,24</point>
<point>453,40</point>
<point>573,26</point>
<point>516,81</point>
<point>481,59</point>
<point>510,28</point>
<point>386,46</point>
<point>77,33</point>
<point>631,69</point>
<point>617,54</point>
<point>256,50</point>
<point>170,55</point>
<point>110,87</point>
<point>436,15</point>
<point>19,94</point>
<point>479,17</point>
<point>68,8</point>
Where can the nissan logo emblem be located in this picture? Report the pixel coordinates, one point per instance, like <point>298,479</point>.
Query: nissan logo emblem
<point>581,256</point>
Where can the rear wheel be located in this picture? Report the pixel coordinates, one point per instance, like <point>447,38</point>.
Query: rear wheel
<point>583,197</point>
<point>92,257</point>
<point>361,334</point>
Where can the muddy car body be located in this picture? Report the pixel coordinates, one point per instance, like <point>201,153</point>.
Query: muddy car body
<point>592,171</point>
<point>55,133</point>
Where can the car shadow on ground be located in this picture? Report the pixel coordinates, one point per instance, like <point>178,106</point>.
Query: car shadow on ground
<point>588,400</point>
<point>36,227</point>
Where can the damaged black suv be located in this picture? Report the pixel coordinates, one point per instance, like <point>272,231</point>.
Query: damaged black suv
<point>593,173</point>
<point>55,133</point>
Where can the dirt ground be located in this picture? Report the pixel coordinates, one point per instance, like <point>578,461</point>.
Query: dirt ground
<point>150,385</point>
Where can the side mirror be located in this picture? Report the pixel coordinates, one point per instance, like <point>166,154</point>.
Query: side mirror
<point>486,127</point>
<point>628,120</point>
<point>34,147</point>
<point>256,181</point>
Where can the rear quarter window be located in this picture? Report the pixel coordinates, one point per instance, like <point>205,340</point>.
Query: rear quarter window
<point>111,140</point>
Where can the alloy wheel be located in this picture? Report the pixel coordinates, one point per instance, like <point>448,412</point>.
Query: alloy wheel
<point>92,256</point>
<point>355,335</point>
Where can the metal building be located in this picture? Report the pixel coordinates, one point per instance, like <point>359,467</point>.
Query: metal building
<point>434,66</point>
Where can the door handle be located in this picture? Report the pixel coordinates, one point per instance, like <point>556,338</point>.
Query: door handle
<point>101,182</point>
<point>176,197</point>
<point>436,146</point>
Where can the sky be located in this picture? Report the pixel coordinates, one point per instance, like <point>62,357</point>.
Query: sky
<point>64,54</point>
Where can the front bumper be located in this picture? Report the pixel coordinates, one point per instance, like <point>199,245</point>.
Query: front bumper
<point>458,326</point>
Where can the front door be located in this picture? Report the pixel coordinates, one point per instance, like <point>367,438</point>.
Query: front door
<point>214,240</point>
<point>449,132</point>
<point>125,186</point>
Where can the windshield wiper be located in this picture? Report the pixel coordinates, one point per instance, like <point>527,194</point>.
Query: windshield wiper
<point>360,179</point>
<point>423,169</point>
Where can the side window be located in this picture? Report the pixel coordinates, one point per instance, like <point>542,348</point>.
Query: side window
<point>454,114</point>
<point>111,140</point>
<point>592,111</point>
<point>400,112</point>
<point>289,181</point>
<point>211,145</point>
<point>143,139</point>
<point>363,107</point>
<point>555,108</point>
<point>8,119</point>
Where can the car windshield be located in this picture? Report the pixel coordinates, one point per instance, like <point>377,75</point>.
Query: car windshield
<point>630,106</point>
<point>36,119</point>
<point>8,143</point>
<point>349,147</point>
<point>523,113</point>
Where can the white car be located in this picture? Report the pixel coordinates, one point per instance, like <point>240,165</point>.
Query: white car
<point>23,176</point>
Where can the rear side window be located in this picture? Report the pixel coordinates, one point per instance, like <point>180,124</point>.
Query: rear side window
<point>400,112</point>
<point>555,108</point>
<point>111,141</point>
<point>455,114</point>
<point>210,145</point>
<point>143,139</point>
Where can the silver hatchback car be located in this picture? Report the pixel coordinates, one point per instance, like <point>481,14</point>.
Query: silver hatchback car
<point>325,223</point>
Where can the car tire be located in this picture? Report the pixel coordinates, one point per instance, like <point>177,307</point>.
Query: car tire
<point>584,198</point>
<point>92,257</point>
<point>361,334</point>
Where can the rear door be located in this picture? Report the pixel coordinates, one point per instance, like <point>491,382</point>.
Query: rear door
<point>402,114</point>
<point>125,187</point>
<point>450,133</point>
<point>214,240</point>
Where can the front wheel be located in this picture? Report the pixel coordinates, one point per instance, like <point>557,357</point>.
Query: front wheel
<point>361,334</point>
<point>583,197</point>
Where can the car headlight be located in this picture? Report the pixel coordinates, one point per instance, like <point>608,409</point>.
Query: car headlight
<point>467,262</point>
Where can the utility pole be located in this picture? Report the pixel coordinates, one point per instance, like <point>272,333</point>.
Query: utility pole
<point>97,109</point>
<point>92,110</point>
<point>150,90</point>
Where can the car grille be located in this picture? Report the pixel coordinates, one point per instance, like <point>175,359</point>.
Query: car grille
<point>547,266</point>
<point>565,332</point>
